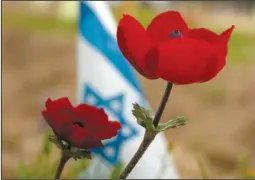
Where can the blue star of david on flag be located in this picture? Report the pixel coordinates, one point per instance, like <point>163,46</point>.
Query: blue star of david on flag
<point>115,105</point>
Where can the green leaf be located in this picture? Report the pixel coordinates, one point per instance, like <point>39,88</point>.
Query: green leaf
<point>143,117</point>
<point>172,123</point>
<point>117,170</point>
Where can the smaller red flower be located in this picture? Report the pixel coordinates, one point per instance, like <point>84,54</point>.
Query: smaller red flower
<point>170,50</point>
<point>83,126</point>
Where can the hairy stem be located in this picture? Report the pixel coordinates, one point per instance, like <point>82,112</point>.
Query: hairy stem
<point>63,160</point>
<point>141,150</point>
<point>162,104</point>
<point>148,137</point>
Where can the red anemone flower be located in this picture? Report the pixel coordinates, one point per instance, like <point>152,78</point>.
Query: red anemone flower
<point>170,50</point>
<point>83,126</point>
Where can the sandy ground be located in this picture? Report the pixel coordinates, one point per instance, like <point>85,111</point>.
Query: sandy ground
<point>221,112</point>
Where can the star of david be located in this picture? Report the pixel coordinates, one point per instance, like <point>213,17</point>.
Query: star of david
<point>115,105</point>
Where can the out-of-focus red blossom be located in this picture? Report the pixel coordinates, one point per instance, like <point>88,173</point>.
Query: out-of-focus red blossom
<point>83,126</point>
<point>170,50</point>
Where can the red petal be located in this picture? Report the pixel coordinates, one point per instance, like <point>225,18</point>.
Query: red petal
<point>164,24</point>
<point>183,60</point>
<point>93,144</point>
<point>85,108</point>
<point>48,102</point>
<point>61,116</point>
<point>61,102</point>
<point>226,34</point>
<point>61,126</point>
<point>209,36</point>
<point>58,115</point>
<point>215,66</point>
<point>108,131</point>
<point>60,107</point>
<point>81,138</point>
<point>115,125</point>
<point>204,34</point>
<point>96,121</point>
<point>134,43</point>
<point>89,116</point>
<point>103,123</point>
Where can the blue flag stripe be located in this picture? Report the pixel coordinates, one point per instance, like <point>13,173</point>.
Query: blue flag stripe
<point>94,32</point>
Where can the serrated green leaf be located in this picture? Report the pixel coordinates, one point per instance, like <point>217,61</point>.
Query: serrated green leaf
<point>143,117</point>
<point>172,123</point>
<point>116,171</point>
<point>141,113</point>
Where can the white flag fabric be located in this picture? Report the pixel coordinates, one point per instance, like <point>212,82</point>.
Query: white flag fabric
<point>105,79</point>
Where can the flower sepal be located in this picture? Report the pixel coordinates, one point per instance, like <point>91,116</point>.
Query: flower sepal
<point>68,150</point>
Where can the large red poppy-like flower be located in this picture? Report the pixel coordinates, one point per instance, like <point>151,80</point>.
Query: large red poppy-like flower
<point>83,126</point>
<point>170,50</point>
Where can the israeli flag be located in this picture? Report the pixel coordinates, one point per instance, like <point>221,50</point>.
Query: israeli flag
<point>105,79</point>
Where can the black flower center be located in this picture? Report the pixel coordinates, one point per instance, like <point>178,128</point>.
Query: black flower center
<point>78,124</point>
<point>176,34</point>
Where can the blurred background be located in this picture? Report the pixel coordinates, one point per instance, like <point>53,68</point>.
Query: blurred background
<point>39,60</point>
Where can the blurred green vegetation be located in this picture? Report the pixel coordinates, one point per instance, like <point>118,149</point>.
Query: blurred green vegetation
<point>241,44</point>
<point>117,171</point>
<point>38,23</point>
<point>203,171</point>
<point>45,164</point>
<point>245,172</point>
